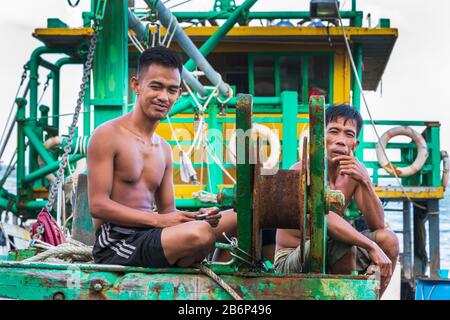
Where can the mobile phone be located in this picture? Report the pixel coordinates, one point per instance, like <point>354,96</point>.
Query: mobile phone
<point>201,216</point>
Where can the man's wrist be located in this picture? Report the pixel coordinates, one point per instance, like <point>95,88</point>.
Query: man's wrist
<point>371,245</point>
<point>366,183</point>
<point>153,220</point>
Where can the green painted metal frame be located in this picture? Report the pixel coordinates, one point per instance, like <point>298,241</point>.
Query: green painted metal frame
<point>110,70</point>
<point>215,39</point>
<point>316,191</point>
<point>214,172</point>
<point>429,175</point>
<point>50,281</point>
<point>289,143</point>
<point>245,175</point>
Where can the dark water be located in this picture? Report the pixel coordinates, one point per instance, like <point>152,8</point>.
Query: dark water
<point>395,220</point>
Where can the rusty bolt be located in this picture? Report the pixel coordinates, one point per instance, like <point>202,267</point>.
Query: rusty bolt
<point>336,200</point>
<point>58,296</point>
<point>98,287</point>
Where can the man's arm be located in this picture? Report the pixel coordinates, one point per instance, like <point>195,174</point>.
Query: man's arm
<point>370,205</point>
<point>101,153</point>
<point>339,229</point>
<point>165,198</point>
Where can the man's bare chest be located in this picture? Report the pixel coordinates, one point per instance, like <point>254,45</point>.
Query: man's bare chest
<point>139,163</point>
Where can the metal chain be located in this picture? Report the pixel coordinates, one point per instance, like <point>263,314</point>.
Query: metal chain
<point>64,161</point>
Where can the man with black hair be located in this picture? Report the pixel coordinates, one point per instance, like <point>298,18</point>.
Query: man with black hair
<point>347,249</point>
<point>130,172</point>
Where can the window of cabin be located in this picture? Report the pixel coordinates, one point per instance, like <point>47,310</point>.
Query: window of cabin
<point>264,76</point>
<point>305,73</point>
<point>319,76</point>
<point>291,74</point>
<point>233,67</point>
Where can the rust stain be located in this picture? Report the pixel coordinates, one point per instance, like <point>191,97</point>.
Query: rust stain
<point>157,288</point>
<point>389,169</point>
<point>96,290</point>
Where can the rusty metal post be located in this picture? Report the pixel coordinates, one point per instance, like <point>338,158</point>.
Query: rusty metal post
<point>317,207</point>
<point>245,172</point>
<point>419,244</point>
<point>407,241</point>
<point>433,234</point>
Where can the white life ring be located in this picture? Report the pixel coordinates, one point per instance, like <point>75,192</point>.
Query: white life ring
<point>265,133</point>
<point>422,152</point>
<point>305,133</point>
<point>445,168</point>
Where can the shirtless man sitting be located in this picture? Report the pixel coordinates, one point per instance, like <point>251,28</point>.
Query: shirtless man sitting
<point>130,170</point>
<point>347,249</point>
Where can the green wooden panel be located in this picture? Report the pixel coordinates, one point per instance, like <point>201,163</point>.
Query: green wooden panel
<point>46,281</point>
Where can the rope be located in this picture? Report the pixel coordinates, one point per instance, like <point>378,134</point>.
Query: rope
<point>202,108</point>
<point>58,115</point>
<point>178,4</point>
<point>218,162</point>
<point>205,196</point>
<point>71,250</point>
<point>49,76</point>
<point>135,42</point>
<point>219,281</point>
<point>171,37</point>
<point>358,80</point>
<point>22,79</point>
<point>9,169</point>
<point>153,39</point>
<point>230,95</point>
<point>167,30</point>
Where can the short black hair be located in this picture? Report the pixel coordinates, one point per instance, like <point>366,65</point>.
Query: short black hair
<point>159,55</point>
<point>336,111</point>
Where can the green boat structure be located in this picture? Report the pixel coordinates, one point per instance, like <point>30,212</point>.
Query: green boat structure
<point>244,70</point>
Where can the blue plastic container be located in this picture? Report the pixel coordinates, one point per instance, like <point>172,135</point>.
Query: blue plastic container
<point>434,289</point>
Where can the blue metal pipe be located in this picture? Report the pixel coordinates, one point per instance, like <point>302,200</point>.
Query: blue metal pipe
<point>142,33</point>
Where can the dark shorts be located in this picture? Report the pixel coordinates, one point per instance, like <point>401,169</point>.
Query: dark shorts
<point>125,246</point>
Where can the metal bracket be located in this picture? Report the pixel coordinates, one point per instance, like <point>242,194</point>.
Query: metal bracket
<point>100,10</point>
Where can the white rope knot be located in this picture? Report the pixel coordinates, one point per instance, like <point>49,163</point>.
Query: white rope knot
<point>205,196</point>
<point>69,251</point>
<point>233,241</point>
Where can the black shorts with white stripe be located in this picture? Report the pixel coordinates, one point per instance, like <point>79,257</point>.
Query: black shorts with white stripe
<point>138,247</point>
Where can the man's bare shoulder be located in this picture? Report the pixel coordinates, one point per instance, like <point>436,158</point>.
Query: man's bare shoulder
<point>107,128</point>
<point>165,146</point>
<point>106,137</point>
<point>160,140</point>
<point>109,132</point>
